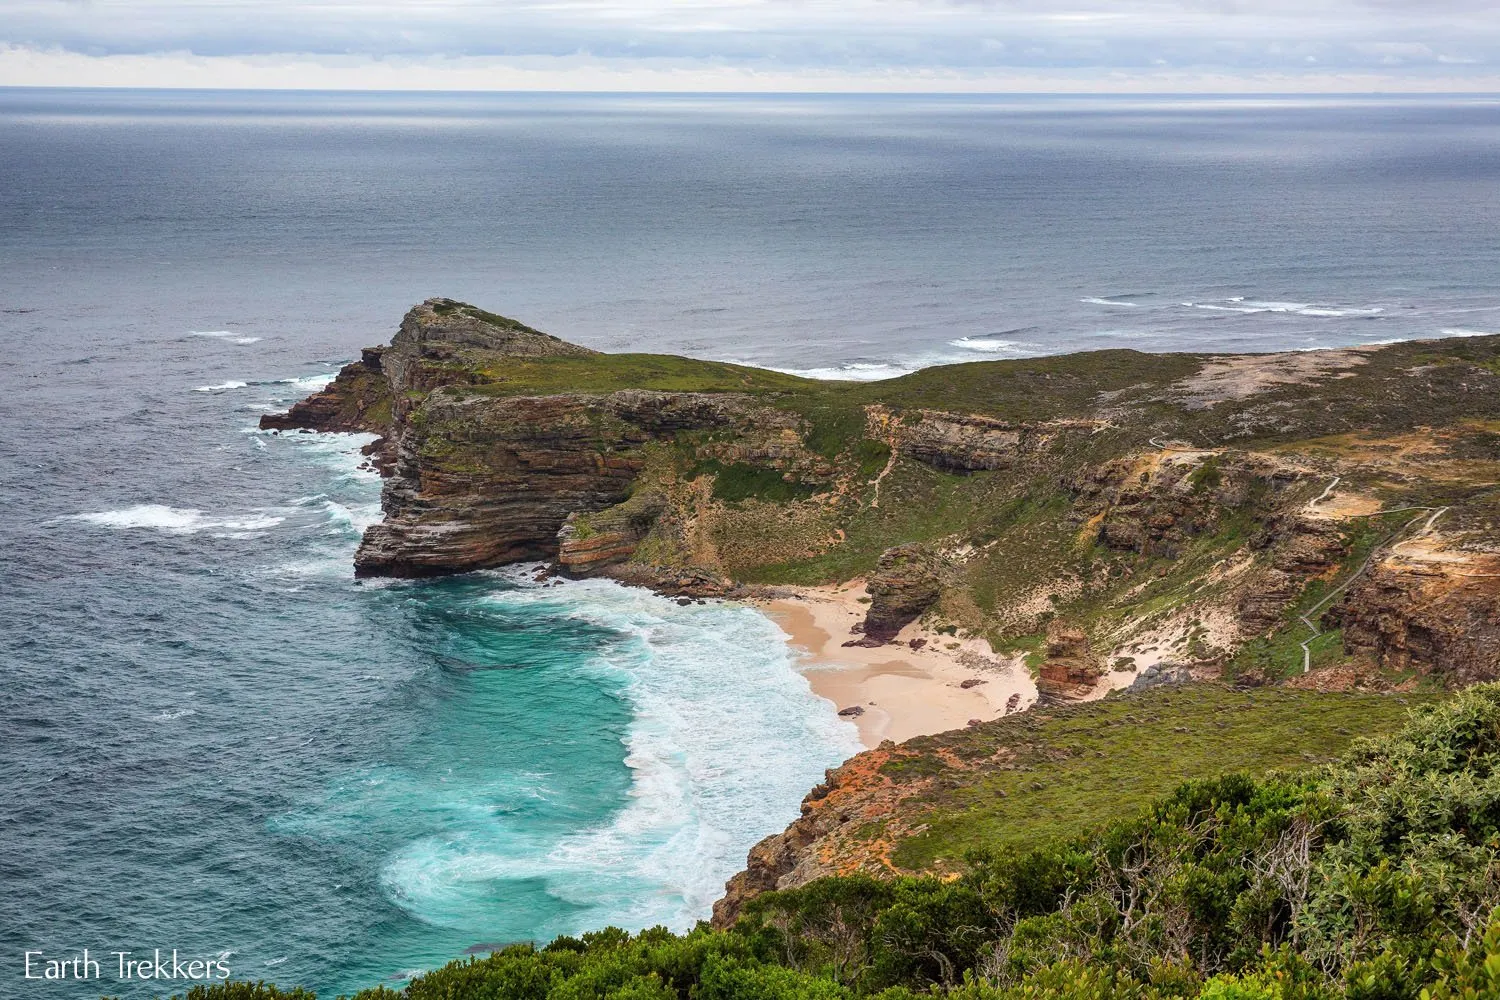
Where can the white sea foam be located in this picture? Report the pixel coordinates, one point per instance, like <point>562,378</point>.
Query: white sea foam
<point>726,738</point>
<point>1102,301</point>
<point>345,520</point>
<point>1240,304</point>
<point>225,335</point>
<point>342,453</point>
<point>992,345</point>
<point>310,383</point>
<point>302,386</point>
<point>332,522</point>
<point>854,371</point>
<point>174,520</point>
<point>1458,331</point>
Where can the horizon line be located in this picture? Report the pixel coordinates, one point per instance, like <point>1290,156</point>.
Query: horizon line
<point>512,91</point>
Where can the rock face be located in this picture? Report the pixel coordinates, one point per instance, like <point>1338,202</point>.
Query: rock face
<point>358,401</point>
<point>440,328</point>
<point>960,442</point>
<point>1299,549</point>
<point>478,479</point>
<point>1070,669</point>
<point>588,544</point>
<point>904,585</point>
<point>849,796</point>
<point>1158,508</point>
<point>482,481</point>
<point>1436,619</point>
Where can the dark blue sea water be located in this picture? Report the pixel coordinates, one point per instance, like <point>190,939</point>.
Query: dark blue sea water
<point>213,739</point>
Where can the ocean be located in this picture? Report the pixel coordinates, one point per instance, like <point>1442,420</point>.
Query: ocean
<point>212,738</point>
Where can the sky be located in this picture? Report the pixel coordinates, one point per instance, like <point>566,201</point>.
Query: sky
<point>1125,46</point>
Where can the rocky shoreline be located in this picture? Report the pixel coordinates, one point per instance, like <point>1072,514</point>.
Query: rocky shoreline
<point>1097,522</point>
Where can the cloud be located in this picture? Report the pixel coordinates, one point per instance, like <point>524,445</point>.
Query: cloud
<point>1386,44</point>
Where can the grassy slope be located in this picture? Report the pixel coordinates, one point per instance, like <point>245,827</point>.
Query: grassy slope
<point>1056,772</point>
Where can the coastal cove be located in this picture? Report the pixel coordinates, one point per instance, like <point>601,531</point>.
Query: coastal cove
<point>987,535</point>
<point>484,758</point>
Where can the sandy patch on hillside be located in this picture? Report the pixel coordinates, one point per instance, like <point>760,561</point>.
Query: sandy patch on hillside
<point>1241,376</point>
<point>1337,506</point>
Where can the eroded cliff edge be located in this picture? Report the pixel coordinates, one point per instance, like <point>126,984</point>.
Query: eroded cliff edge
<point>1322,519</point>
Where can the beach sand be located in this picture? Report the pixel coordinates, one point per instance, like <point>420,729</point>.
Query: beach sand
<point>904,692</point>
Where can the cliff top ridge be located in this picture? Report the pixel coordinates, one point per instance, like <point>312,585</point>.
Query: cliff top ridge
<point>440,323</point>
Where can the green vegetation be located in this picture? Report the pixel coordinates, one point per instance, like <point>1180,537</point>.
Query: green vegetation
<point>1070,769</point>
<point>1063,385</point>
<point>512,376</point>
<point>872,457</point>
<point>742,481</point>
<point>449,307</point>
<point>1373,878</point>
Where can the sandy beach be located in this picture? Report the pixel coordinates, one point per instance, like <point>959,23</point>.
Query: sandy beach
<point>902,692</point>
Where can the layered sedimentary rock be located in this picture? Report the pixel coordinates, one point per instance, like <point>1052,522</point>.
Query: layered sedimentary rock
<point>358,401</point>
<point>1439,617</point>
<point>589,544</point>
<point>960,442</point>
<point>482,481</point>
<point>1070,668</point>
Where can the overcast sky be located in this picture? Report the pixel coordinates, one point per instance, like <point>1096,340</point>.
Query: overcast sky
<point>870,45</point>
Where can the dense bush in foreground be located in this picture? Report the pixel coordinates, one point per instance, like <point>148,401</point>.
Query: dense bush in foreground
<point>1372,879</point>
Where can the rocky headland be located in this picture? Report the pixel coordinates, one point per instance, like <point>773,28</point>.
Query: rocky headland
<point>1101,521</point>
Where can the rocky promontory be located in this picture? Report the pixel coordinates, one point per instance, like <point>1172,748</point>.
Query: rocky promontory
<point>1108,518</point>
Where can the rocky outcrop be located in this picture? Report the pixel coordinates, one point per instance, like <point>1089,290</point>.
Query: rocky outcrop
<point>442,328</point>
<point>482,481</point>
<point>588,544</point>
<point>812,846</point>
<point>357,401</point>
<point>1436,618</point>
<point>1157,505</point>
<point>1298,549</point>
<point>1159,674</point>
<point>960,442</point>
<point>1070,668</point>
<point>905,583</point>
<point>685,581</point>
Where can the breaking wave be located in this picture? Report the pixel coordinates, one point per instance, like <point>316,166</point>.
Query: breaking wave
<point>724,739</point>
<point>229,336</point>
<point>992,345</point>
<point>174,520</point>
<point>1240,304</point>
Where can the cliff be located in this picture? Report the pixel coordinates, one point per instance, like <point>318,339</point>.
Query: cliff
<point>1322,520</point>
